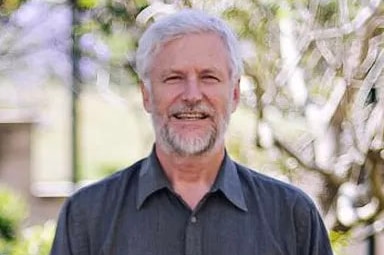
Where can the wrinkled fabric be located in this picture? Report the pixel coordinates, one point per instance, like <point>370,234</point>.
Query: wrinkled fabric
<point>136,212</point>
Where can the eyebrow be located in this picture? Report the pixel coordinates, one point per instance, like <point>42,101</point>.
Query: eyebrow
<point>214,71</point>
<point>209,70</point>
<point>168,72</point>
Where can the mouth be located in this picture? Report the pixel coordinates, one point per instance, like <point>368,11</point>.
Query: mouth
<point>190,116</point>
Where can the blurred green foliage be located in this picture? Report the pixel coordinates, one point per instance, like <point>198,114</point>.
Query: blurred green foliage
<point>34,240</point>
<point>12,212</point>
<point>8,6</point>
<point>339,240</point>
<point>86,4</point>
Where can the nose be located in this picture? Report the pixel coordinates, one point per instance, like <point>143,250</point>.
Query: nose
<point>192,92</point>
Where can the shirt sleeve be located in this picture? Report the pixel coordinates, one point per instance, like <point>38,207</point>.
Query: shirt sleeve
<point>70,237</point>
<point>312,236</point>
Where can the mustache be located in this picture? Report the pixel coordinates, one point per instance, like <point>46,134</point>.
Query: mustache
<point>195,108</point>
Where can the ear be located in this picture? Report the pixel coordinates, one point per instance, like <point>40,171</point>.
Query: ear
<point>235,95</point>
<point>146,95</point>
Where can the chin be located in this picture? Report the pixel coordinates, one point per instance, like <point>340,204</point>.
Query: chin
<point>191,145</point>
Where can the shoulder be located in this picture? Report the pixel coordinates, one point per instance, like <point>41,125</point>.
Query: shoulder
<point>272,190</point>
<point>286,210</point>
<point>105,191</point>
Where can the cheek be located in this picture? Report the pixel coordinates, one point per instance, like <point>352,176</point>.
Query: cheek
<point>221,101</point>
<point>159,105</point>
<point>163,99</point>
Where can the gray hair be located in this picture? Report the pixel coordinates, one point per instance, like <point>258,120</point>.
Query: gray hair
<point>185,22</point>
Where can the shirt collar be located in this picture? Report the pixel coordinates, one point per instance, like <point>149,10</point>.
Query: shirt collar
<point>228,182</point>
<point>152,179</point>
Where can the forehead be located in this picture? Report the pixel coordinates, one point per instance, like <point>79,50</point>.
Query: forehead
<point>204,50</point>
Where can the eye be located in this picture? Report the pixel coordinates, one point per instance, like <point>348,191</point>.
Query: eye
<point>173,79</point>
<point>210,78</point>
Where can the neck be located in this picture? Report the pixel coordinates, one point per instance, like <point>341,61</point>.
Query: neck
<point>191,176</point>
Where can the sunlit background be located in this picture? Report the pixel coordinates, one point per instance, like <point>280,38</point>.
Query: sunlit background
<point>312,111</point>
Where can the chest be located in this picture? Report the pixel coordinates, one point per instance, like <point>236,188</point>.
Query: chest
<point>165,226</point>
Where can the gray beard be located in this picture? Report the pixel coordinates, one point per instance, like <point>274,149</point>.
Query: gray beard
<point>188,146</point>
<point>176,142</point>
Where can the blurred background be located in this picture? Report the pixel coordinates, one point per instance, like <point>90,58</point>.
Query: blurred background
<point>312,111</point>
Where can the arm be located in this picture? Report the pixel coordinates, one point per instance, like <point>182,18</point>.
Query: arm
<point>70,237</point>
<point>312,236</point>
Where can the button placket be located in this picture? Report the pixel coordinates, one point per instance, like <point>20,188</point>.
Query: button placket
<point>193,244</point>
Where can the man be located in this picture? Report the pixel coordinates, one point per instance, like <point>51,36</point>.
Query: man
<point>188,197</point>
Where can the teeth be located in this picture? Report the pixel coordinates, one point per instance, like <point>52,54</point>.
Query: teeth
<point>190,115</point>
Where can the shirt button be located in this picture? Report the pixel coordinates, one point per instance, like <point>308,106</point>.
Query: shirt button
<point>193,219</point>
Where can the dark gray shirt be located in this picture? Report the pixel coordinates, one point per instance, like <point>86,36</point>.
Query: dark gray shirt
<point>136,212</point>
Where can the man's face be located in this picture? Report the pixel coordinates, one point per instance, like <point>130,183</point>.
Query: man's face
<point>191,95</point>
